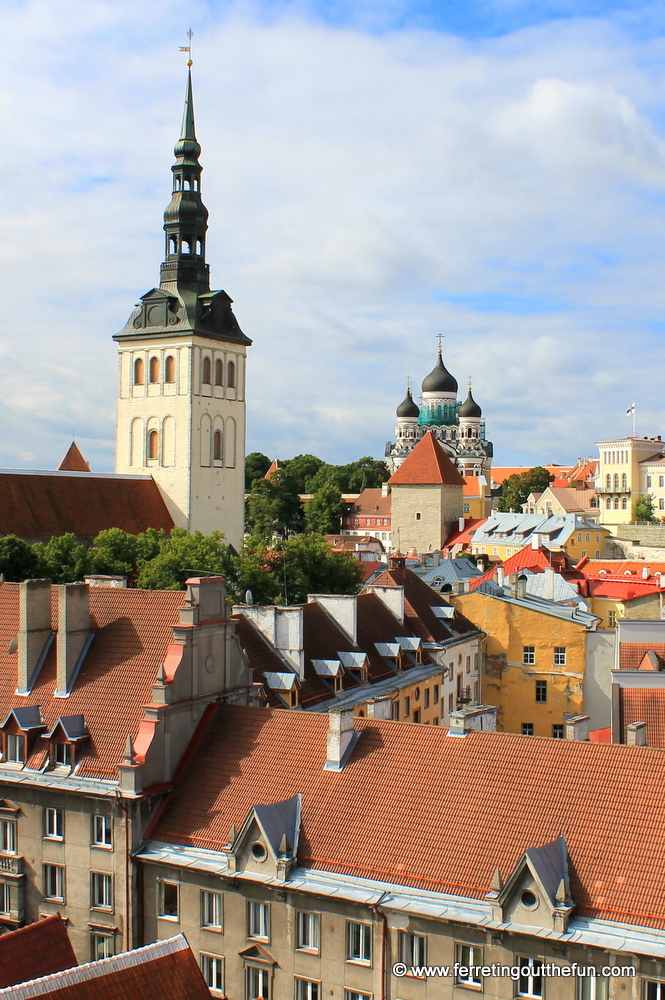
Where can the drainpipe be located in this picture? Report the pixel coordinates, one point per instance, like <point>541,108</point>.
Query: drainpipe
<point>376,907</point>
<point>125,811</point>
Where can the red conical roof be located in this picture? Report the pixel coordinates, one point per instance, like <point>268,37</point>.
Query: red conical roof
<point>427,463</point>
<point>73,460</point>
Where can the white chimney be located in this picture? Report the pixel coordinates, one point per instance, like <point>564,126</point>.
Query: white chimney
<point>636,734</point>
<point>392,597</point>
<point>342,608</point>
<point>646,572</point>
<point>464,720</point>
<point>283,628</point>
<point>549,583</point>
<point>500,575</point>
<point>380,708</point>
<point>460,522</point>
<point>535,541</point>
<point>577,728</point>
<point>342,738</point>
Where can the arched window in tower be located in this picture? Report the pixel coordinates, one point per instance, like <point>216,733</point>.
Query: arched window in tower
<point>217,446</point>
<point>616,480</point>
<point>624,504</point>
<point>624,481</point>
<point>154,369</point>
<point>219,372</point>
<point>138,371</point>
<point>173,245</point>
<point>231,375</point>
<point>616,503</point>
<point>469,433</point>
<point>153,444</point>
<point>187,184</point>
<point>206,378</point>
<point>186,246</point>
<point>608,503</point>
<point>199,248</point>
<point>169,369</point>
<point>608,481</point>
<point>196,183</point>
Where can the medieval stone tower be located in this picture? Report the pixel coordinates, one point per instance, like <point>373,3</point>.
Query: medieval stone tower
<point>181,391</point>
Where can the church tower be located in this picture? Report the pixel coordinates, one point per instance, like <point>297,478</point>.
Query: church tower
<point>181,393</point>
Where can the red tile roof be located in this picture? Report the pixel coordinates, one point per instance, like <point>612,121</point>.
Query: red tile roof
<point>419,599</point>
<point>644,705</point>
<point>36,950</point>
<point>37,505</point>
<point>474,488</point>
<point>350,824</point>
<point>131,634</point>
<point>73,460</point>
<point>621,567</point>
<point>620,588</point>
<point>426,464</point>
<point>537,560</point>
<point>371,503</point>
<point>501,473</point>
<point>165,970</point>
<point>631,654</point>
<point>465,535</point>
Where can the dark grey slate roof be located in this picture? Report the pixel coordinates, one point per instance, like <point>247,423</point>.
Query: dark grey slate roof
<point>280,818</point>
<point>551,865</point>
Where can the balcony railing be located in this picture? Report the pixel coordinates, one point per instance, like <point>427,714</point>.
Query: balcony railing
<point>11,864</point>
<point>463,696</point>
<point>612,489</point>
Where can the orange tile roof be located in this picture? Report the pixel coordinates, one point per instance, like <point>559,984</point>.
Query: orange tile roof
<point>350,823</point>
<point>465,535</point>
<point>426,464</point>
<point>131,629</point>
<point>631,654</point>
<point>501,473</point>
<point>73,460</point>
<point>620,588</point>
<point>621,567</point>
<point>371,503</point>
<point>571,499</point>
<point>41,504</point>
<point>474,488</point>
<point>36,950</point>
<point>644,705</point>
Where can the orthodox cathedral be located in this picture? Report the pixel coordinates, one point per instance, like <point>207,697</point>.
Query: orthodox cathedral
<point>458,427</point>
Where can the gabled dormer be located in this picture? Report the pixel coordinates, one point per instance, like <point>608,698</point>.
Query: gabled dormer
<point>19,732</point>
<point>356,663</point>
<point>285,685</point>
<point>65,740</point>
<point>537,893</point>
<point>268,839</point>
<point>331,671</point>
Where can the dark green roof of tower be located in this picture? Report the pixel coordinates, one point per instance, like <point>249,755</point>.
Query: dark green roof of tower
<point>439,379</point>
<point>470,408</point>
<point>407,408</point>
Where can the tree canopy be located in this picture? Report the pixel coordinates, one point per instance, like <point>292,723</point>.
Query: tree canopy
<point>645,509</point>
<point>516,489</point>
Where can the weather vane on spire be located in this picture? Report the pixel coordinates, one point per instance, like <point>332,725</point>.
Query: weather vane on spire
<point>188,48</point>
<point>439,337</point>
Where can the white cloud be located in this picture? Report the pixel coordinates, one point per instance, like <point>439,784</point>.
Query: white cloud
<point>365,193</point>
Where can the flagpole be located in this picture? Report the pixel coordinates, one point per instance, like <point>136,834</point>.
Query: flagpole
<point>634,431</point>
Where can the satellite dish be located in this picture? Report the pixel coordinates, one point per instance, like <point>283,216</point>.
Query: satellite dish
<point>249,597</point>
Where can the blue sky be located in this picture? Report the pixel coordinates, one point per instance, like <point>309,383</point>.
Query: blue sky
<point>376,173</point>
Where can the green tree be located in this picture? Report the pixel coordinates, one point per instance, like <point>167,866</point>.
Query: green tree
<point>182,555</point>
<point>517,488</point>
<point>309,566</point>
<point>115,552</point>
<point>256,466</point>
<point>301,472</point>
<point>63,559</point>
<point>273,507</point>
<point>255,569</point>
<point>365,474</point>
<point>18,560</point>
<point>324,511</point>
<point>645,509</point>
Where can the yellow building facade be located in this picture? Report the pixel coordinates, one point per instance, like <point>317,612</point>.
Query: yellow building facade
<point>622,479</point>
<point>534,660</point>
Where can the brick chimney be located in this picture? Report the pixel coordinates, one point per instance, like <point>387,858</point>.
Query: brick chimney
<point>577,728</point>
<point>74,634</point>
<point>35,635</point>
<point>342,738</point>
<point>636,734</point>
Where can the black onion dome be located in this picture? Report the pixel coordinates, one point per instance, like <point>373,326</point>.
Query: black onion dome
<point>470,408</point>
<point>439,379</point>
<point>408,408</point>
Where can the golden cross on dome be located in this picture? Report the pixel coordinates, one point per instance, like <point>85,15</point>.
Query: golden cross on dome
<point>439,337</point>
<point>188,48</point>
<point>408,383</point>
<point>470,382</point>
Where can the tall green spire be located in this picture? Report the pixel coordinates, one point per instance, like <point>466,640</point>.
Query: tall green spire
<point>186,217</point>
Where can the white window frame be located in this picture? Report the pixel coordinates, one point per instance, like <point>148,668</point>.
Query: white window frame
<point>559,656</point>
<point>308,931</point>
<point>307,989</point>
<point>54,823</point>
<point>101,891</point>
<point>356,995</point>
<point>162,884</point>
<point>5,899</point>
<point>529,980</point>
<point>593,988</point>
<point>105,938</point>
<point>102,831</point>
<point>262,988</point>
<point>358,942</point>
<point>466,957</point>
<point>212,910</point>
<point>528,655</point>
<point>15,743</point>
<point>54,878</point>
<point>258,920</point>
<point>412,948</point>
<point>8,836</point>
<point>212,968</point>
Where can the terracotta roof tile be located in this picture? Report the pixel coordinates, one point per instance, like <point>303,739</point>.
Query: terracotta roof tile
<point>41,504</point>
<point>644,705</point>
<point>350,823</point>
<point>73,460</point>
<point>419,599</point>
<point>36,950</point>
<point>371,503</point>
<point>631,654</point>
<point>427,464</point>
<point>465,535</point>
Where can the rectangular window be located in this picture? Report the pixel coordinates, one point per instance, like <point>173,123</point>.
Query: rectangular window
<point>435,694</point>
<point>653,990</point>
<point>468,957</point>
<point>592,988</point>
<point>579,536</point>
<point>412,948</point>
<point>559,656</point>
<point>394,710</point>
<point>416,715</point>
<point>661,481</point>
<point>102,945</point>
<point>541,691</point>
<point>102,827</point>
<point>257,983</point>
<point>528,654</point>
<point>211,910</point>
<point>557,731</point>
<point>612,618</point>
<point>648,480</point>
<point>587,537</point>
<point>15,749</point>
<point>62,753</point>
<point>597,536</point>
<point>530,982</point>
<point>527,729</point>
<point>450,703</point>
<point>307,989</point>
<point>54,826</point>
<point>5,899</point>
<point>258,920</point>
<point>358,942</point>
<point>167,900</point>
<point>212,967</point>
<point>418,516</point>
<point>307,931</point>
<point>356,995</point>
<point>101,891</point>
<point>426,698</point>
<point>466,508</point>
<point>597,553</point>
<point>54,882</point>
<point>8,836</point>
<point>407,708</point>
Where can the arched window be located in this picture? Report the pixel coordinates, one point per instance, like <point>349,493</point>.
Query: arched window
<point>206,378</point>
<point>199,248</point>
<point>186,246</point>
<point>616,503</point>
<point>153,444</point>
<point>231,375</point>
<point>187,184</point>
<point>469,433</point>
<point>154,369</point>
<point>173,245</point>
<point>608,503</point>
<point>138,371</point>
<point>169,369</point>
<point>624,504</point>
<point>219,372</point>
<point>608,481</point>
<point>616,480</point>
<point>624,481</point>
<point>217,446</point>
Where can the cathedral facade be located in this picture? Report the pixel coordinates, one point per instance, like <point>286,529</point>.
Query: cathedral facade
<point>458,427</point>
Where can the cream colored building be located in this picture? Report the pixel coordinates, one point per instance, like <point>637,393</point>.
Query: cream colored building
<point>181,390</point>
<point>621,476</point>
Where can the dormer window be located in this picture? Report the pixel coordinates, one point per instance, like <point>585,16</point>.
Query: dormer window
<point>62,754</point>
<point>14,748</point>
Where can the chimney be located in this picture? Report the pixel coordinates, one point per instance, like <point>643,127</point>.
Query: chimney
<point>384,489</point>
<point>577,728</point>
<point>535,540</point>
<point>646,572</point>
<point>380,708</point>
<point>102,580</point>
<point>636,734</point>
<point>464,720</point>
<point>549,583</point>
<point>500,575</point>
<point>521,587</point>
<point>512,580</point>
<point>342,608</point>
<point>392,597</point>
<point>205,600</point>
<point>461,587</point>
<point>460,522</point>
<point>283,628</point>
<point>35,635</point>
<point>342,738</point>
<point>73,633</point>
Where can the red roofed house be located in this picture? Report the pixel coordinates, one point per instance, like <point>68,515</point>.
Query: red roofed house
<point>336,847</point>
<point>102,692</point>
<point>370,514</point>
<point>34,951</point>
<point>427,498</point>
<point>638,683</point>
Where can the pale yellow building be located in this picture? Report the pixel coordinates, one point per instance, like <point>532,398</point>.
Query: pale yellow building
<point>624,476</point>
